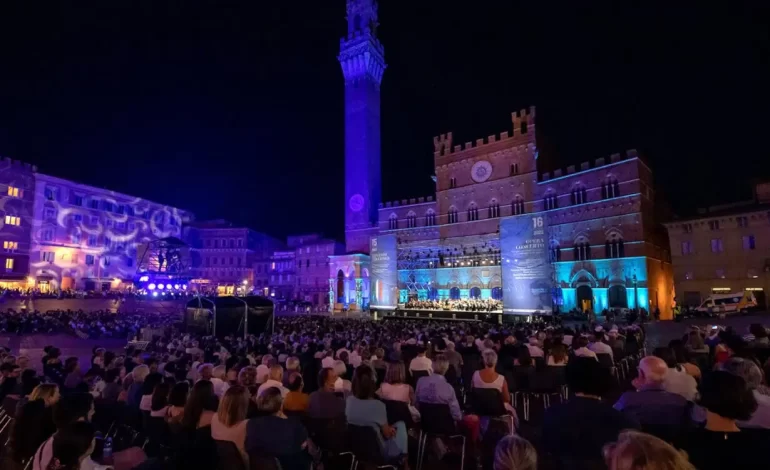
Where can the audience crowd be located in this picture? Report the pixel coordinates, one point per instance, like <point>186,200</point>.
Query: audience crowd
<point>96,324</point>
<point>512,397</point>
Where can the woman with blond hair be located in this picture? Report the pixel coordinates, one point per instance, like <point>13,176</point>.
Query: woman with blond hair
<point>229,423</point>
<point>34,423</point>
<point>636,450</point>
<point>515,453</point>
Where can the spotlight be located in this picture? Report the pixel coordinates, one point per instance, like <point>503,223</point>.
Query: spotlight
<point>168,286</point>
<point>152,287</point>
<point>184,286</point>
<point>155,294</point>
<point>160,286</point>
<point>144,278</point>
<point>176,286</point>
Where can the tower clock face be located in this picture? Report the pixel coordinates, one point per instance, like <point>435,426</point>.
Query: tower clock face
<point>481,171</point>
<point>356,203</point>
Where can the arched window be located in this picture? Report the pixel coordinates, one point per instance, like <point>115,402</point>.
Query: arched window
<point>551,201</point>
<point>411,220</point>
<point>393,222</point>
<point>579,195</point>
<point>494,209</point>
<point>614,247</point>
<point>452,215</point>
<point>610,188</point>
<point>497,293</point>
<point>514,169</point>
<point>452,183</point>
<point>473,212</point>
<point>475,293</point>
<point>517,206</point>
<point>582,249</point>
<point>430,218</point>
<point>357,23</point>
<point>454,293</point>
<point>555,251</point>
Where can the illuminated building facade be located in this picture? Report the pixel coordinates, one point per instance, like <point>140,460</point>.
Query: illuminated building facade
<point>282,276</point>
<point>17,190</point>
<point>723,249</point>
<point>607,248</point>
<point>312,268</point>
<point>230,259</point>
<point>84,237</point>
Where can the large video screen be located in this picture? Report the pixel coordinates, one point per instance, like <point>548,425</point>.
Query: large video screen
<point>526,267</point>
<point>384,272</point>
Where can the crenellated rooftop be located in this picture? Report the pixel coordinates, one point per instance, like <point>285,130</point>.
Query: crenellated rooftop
<point>522,120</point>
<point>586,166</point>
<point>406,202</point>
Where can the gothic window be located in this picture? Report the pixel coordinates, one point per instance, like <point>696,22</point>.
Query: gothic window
<point>430,218</point>
<point>517,206</point>
<point>357,23</point>
<point>614,247</point>
<point>514,169</point>
<point>494,209</point>
<point>551,201</point>
<point>393,222</point>
<point>473,212</point>
<point>452,215</point>
<point>579,195</point>
<point>582,249</point>
<point>452,183</point>
<point>411,220</point>
<point>610,188</point>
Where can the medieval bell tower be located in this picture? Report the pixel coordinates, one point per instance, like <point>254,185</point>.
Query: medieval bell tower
<point>363,63</point>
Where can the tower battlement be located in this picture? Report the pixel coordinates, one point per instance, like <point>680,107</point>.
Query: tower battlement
<point>523,123</point>
<point>586,166</point>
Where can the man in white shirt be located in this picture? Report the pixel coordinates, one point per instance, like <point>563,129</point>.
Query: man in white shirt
<point>274,380</point>
<point>580,349</point>
<point>599,346</point>
<point>421,363</point>
<point>534,349</point>
<point>328,361</point>
<point>263,370</point>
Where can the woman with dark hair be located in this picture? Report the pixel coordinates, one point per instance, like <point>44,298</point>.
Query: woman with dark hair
<point>177,400</point>
<point>34,424</point>
<point>275,434</point>
<point>148,386</point>
<point>71,446</point>
<point>721,444</point>
<point>159,402</point>
<point>362,409</point>
<point>200,407</point>
<point>682,357</point>
<point>523,357</point>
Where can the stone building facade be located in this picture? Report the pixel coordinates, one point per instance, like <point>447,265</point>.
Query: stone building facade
<point>17,192</point>
<point>723,249</point>
<point>607,248</point>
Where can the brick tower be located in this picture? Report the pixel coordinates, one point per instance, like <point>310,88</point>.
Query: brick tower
<point>363,63</point>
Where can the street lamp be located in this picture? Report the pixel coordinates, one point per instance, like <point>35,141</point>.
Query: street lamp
<point>636,293</point>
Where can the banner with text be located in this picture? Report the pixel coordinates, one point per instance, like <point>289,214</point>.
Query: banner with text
<point>526,268</point>
<point>384,272</point>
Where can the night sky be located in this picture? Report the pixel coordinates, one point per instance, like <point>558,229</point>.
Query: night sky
<point>233,109</point>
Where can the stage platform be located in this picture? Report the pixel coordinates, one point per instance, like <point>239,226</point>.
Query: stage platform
<point>456,315</point>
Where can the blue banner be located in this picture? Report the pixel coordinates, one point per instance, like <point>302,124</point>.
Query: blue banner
<point>527,278</point>
<point>384,272</point>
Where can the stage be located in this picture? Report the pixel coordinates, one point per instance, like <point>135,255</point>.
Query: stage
<point>494,316</point>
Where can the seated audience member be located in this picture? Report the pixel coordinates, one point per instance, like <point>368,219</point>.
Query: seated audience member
<point>139,373</point>
<point>652,406</point>
<point>639,451</point>
<point>515,453</point>
<point>394,387</point>
<point>247,377</point>
<point>177,399</point>
<point>435,389</point>
<point>148,387</point>
<point>677,380</point>
<point>421,363</point>
<point>362,409</point>
<point>578,429</point>
<point>112,387</point>
<point>455,358</point>
<point>219,380</point>
<point>296,400</point>
<point>229,423</point>
<point>558,355</point>
<point>598,345</point>
<point>489,378</point>
<point>292,365</point>
<point>263,370</point>
<point>324,403</point>
<point>200,407</point>
<point>28,381</point>
<point>534,347</point>
<point>523,357</point>
<point>721,444</point>
<point>34,424</point>
<point>69,409</point>
<point>580,347</point>
<point>74,376</point>
<point>72,447</point>
<point>695,343</point>
<point>752,375</point>
<point>760,335</point>
<point>342,384</point>
<point>682,358</point>
<point>274,379</point>
<point>159,401</point>
<point>275,434</point>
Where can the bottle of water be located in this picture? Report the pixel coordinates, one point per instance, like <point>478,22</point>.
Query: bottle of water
<point>107,451</point>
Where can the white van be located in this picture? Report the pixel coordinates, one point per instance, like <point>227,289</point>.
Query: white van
<point>728,303</point>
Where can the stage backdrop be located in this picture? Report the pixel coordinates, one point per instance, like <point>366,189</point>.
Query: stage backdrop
<point>383,281</point>
<point>526,267</point>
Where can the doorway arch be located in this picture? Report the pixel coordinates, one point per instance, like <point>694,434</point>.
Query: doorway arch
<point>497,293</point>
<point>617,296</point>
<point>585,298</point>
<point>432,293</point>
<point>475,293</point>
<point>454,293</point>
<point>340,287</point>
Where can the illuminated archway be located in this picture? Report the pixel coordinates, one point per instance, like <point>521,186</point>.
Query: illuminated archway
<point>340,287</point>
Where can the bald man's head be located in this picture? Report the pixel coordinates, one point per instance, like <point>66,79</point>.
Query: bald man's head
<point>652,370</point>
